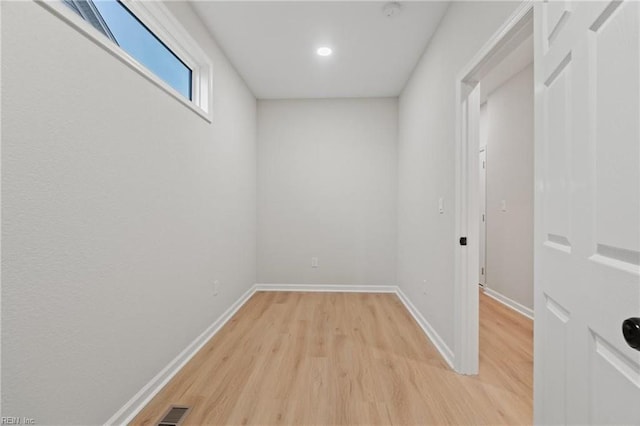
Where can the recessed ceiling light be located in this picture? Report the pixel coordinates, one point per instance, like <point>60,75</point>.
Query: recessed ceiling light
<point>324,51</point>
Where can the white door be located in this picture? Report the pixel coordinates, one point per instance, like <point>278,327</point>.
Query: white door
<point>482,165</point>
<point>587,235</point>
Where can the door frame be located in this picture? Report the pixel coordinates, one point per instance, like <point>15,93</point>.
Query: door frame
<point>483,221</point>
<point>511,34</point>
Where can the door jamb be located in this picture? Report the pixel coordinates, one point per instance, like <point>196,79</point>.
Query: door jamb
<point>483,223</point>
<point>515,30</point>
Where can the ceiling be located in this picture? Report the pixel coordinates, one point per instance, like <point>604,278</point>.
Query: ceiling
<point>273,45</point>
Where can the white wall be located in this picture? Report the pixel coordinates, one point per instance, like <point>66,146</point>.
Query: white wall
<point>120,207</point>
<point>426,167</point>
<point>482,187</point>
<point>509,125</point>
<point>327,188</point>
<point>484,126</point>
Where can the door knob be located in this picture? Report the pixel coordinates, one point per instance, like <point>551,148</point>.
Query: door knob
<point>631,332</point>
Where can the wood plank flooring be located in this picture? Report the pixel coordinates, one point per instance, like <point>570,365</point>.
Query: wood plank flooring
<point>348,359</point>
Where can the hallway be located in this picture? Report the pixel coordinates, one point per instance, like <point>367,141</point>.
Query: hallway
<point>348,358</point>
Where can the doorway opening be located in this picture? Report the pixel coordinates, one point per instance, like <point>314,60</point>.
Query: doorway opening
<point>505,220</point>
<point>506,182</point>
<point>493,73</point>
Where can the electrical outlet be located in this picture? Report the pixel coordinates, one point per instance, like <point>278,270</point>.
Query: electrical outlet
<point>424,286</point>
<point>216,287</point>
<point>314,262</point>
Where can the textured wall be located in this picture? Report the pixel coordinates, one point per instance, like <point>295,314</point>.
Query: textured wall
<point>120,207</point>
<point>327,188</point>
<point>509,121</point>
<point>426,167</point>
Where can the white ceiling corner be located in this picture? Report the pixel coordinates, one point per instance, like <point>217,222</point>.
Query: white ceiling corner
<point>273,44</point>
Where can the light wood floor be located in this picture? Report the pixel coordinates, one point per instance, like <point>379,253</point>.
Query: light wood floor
<point>348,359</point>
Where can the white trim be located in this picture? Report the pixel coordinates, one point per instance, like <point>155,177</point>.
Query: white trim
<point>466,320</point>
<point>2,269</point>
<point>511,34</point>
<point>144,395</point>
<point>509,303</point>
<point>431,333</point>
<point>329,288</point>
<point>129,410</point>
<point>167,28</point>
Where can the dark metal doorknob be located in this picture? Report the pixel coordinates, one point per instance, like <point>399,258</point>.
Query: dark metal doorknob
<point>631,332</point>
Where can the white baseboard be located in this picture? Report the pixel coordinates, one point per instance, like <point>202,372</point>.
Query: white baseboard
<point>151,389</point>
<point>329,288</point>
<point>431,333</point>
<point>521,309</point>
<point>142,398</point>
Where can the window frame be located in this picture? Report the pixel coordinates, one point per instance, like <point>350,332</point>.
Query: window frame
<point>161,22</point>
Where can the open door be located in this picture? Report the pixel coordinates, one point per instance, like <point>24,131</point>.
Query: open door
<point>587,219</point>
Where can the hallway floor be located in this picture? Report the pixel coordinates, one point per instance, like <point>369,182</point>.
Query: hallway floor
<point>346,359</point>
